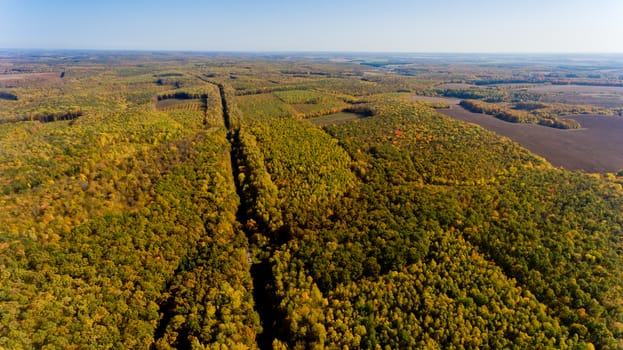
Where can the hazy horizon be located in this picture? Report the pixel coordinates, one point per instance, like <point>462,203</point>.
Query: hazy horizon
<point>393,26</point>
<point>303,51</point>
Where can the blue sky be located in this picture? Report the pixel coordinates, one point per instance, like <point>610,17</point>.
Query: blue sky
<point>322,25</point>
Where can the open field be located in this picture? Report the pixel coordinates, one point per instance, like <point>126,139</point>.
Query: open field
<point>22,79</point>
<point>604,96</point>
<point>177,103</point>
<point>336,118</point>
<point>27,80</point>
<point>597,147</point>
<point>449,100</point>
<point>28,76</point>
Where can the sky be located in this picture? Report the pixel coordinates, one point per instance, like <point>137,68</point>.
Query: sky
<point>520,26</point>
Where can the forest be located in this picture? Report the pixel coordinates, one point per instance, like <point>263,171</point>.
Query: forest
<point>201,201</point>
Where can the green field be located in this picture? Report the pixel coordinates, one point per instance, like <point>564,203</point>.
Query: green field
<point>336,118</point>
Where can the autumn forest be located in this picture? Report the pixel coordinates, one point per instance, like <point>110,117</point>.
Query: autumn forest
<point>191,201</point>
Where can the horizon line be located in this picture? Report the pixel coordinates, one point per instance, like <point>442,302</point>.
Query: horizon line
<point>122,50</point>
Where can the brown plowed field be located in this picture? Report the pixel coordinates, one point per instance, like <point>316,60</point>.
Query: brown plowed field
<point>596,148</point>
<point>28,76</point>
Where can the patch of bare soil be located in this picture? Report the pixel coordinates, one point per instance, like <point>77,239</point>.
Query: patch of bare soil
<point>596,148</point>
<point>28,76</point>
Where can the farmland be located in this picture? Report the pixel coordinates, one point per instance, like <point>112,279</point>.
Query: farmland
<point>597,95</point>
<point>243,201</point>
<point>336,118</point>
<point>605,96</point>
<point>596,147</point>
